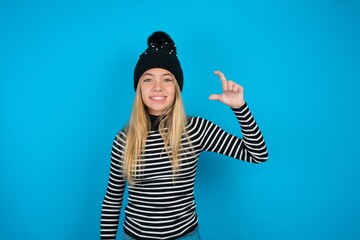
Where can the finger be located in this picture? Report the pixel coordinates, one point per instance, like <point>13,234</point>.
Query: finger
<point>214,97</point>
<point>240,89</point>
<point>230,85</point>
<point>223,79</point>
<point>235,88</point>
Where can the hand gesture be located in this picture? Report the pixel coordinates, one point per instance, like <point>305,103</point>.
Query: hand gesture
<point>232,95</point>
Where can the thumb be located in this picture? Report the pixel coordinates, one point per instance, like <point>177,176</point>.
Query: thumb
<point>214,97</point>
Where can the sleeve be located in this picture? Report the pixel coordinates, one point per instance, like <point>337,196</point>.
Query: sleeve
<point>112,203</point>
<point>251,147</point>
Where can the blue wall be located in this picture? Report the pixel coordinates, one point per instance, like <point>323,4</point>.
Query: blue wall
<point>66,89</point>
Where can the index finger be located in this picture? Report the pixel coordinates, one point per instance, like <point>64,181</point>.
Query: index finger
<point>223,79</point>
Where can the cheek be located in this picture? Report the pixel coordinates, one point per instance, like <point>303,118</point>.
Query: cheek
<point>171,95</point>
<point>144,98</point>
<point>171,91</point>
<point>143,92</point>
<point>142,95</point>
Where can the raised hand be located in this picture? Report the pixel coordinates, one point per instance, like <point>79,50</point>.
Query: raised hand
<point>232,94</point>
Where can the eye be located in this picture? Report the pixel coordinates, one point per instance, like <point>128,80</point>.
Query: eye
<point>147,80</point>
<point>167,80</point>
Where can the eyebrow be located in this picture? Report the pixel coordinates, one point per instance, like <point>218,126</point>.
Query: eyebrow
<point>152,75</point>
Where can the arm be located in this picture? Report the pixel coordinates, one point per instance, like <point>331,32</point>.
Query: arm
<point>252,147</point>
<point>255,149</point>
<point>114,194</point>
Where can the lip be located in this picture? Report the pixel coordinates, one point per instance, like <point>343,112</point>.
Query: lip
<point>158,98</point>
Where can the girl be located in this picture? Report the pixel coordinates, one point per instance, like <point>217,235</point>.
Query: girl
<point>157,152</point>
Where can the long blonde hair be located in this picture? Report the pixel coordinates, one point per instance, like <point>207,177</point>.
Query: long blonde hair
<point>171,126</point>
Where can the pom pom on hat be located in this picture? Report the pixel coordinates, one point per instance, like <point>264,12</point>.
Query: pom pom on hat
<point>161,53</point>
<point>159,38</point>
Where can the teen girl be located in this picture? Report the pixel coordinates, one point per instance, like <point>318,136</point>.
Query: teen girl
<point>157,152</point>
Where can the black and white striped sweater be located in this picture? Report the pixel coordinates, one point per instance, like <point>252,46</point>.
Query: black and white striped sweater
<point>161,206</point>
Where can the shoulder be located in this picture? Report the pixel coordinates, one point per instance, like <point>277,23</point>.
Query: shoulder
<point>120,137</point>
<point>197,122</point>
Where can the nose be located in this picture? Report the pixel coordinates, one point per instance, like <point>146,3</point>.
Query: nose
<point>158,86</point>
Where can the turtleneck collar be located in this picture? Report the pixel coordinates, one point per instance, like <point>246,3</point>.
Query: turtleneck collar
<point>155,121</point>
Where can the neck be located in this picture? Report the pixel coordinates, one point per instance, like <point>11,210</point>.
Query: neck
<point>154,120</point>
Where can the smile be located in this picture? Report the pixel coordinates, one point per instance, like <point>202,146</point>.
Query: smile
<point>157,98</point>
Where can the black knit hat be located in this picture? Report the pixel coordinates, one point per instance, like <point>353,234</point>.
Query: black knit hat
<point>161,53</point>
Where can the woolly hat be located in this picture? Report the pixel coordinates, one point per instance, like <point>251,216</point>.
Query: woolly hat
<point>160,53</point>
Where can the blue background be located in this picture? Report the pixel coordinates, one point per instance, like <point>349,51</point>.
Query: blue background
<point>66,89</point>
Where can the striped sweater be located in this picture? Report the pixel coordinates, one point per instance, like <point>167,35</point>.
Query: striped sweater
<point>161,206</point>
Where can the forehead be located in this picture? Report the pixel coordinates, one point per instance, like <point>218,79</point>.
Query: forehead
<point>157,72</point>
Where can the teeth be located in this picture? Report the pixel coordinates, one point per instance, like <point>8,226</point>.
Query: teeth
<point>157,98</point>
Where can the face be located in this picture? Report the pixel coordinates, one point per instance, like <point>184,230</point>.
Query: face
<point>157,88</point>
